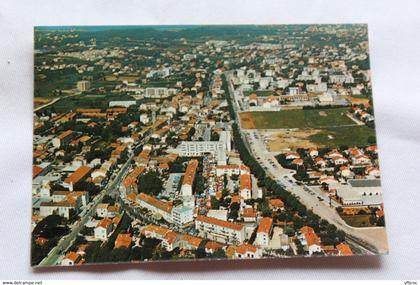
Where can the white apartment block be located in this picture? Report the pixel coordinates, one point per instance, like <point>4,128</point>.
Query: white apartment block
<point>159,92</point>
<point>219,230</point>
<point>182,215</point>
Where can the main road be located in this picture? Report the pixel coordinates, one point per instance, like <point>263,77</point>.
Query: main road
<point>368,240</point>
<point>65,242</point>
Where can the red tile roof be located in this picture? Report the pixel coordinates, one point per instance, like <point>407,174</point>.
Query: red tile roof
<point>344,249</point>
<point>265,225</point>
<point>79,174</point>
<point>123,240</point>
<point>190,172</point>
<point>36,170</point>
<point>218,222</point>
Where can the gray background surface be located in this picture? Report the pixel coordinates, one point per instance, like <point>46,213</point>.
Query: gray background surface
<point>394,32</point>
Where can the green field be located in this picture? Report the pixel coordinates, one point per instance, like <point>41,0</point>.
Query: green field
<point>353,136</point>
<point>86,101</point>
<point>288,119</point>
<point>259,93</point>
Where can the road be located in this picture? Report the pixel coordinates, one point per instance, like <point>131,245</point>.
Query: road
<point>55,101</point>
<point>66,241</point>
<point>367,240</point>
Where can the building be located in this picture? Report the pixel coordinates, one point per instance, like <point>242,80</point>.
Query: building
<point>360,192</point>
<point>182,215</point>
<point>72,258</point>
<point>156,206</point>
<point>103,229</point>
<point>63,139</point>
<point>63,208</point>
<point>245,186</point>
<point>123,240</point>
<point>219,230</point>
<point>199,148</point>
<point>276,204</point>
<point>80,174</point>
<point>230,170</point>
<point>125,104</point>
<point>344,249</point>
<point>189,176</point>
<point>309,240</point>
<point>83,85</point>
<point>216,148</point>
<point>264,231</point>
<point>159,92</point>
<point>243,251</point>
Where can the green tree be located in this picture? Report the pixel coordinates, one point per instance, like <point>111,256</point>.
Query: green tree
<point>150,183</point>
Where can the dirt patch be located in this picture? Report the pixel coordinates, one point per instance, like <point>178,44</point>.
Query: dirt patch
<point>358,101</point>
<point>322,113</point>
<point>39,101</point>
<point>247,121</point>
<point>284,140</point>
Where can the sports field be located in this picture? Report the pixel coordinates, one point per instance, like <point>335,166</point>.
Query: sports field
<point>288,119</point>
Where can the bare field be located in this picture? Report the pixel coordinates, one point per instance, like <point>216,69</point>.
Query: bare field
<point>39,101</point>
<point>281,140</point>
<point>247,120</point>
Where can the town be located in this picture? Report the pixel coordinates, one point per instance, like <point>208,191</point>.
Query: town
<point>204,142</point>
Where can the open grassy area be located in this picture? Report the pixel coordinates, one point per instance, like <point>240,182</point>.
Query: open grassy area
<point>260,93</point>
<point>83,101</point>
<point>301,119</point>
<point>350,136</point>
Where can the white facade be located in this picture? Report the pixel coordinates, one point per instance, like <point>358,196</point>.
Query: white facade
<point>83,85</point>
<point>220,231</point>
<point>182,215</point>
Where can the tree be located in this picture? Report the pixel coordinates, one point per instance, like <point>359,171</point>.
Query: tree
<point>50,227</point>
<point>215,204</point>
<point>220,253</point>
<point>120,254</point>
<point>150,183</point>
<point>200,253</point>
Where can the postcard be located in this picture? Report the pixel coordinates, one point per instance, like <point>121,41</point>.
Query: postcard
<point>169,143</point>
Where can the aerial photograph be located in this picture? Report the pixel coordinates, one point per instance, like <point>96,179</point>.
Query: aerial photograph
<point>172,143</point>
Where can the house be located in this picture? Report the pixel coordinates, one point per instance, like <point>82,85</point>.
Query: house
<point>170,240</point>
<point>309,240</point>
<point>153,231</point>
<point>320,162</point>
<point>276,204</point>
<point>72,258</point>
<point>189,242</point>
<point>345,172</point>
<point>103,229</point>
<point>245,186</point>
<point>243,251</point>
<point>264,231</point>
<point>63,208</point>
<point>292,155</point>
<point>211,247</point>
<point>297,161</point>
<point>123,240</point>
<point>102,210</point>
<point>80,174</point>
<point>373,172</point>
<point>249,215</point>
<point>313,152</point>
<point>361,160</point>
<point>339,160</point>
<point>344,249</point>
